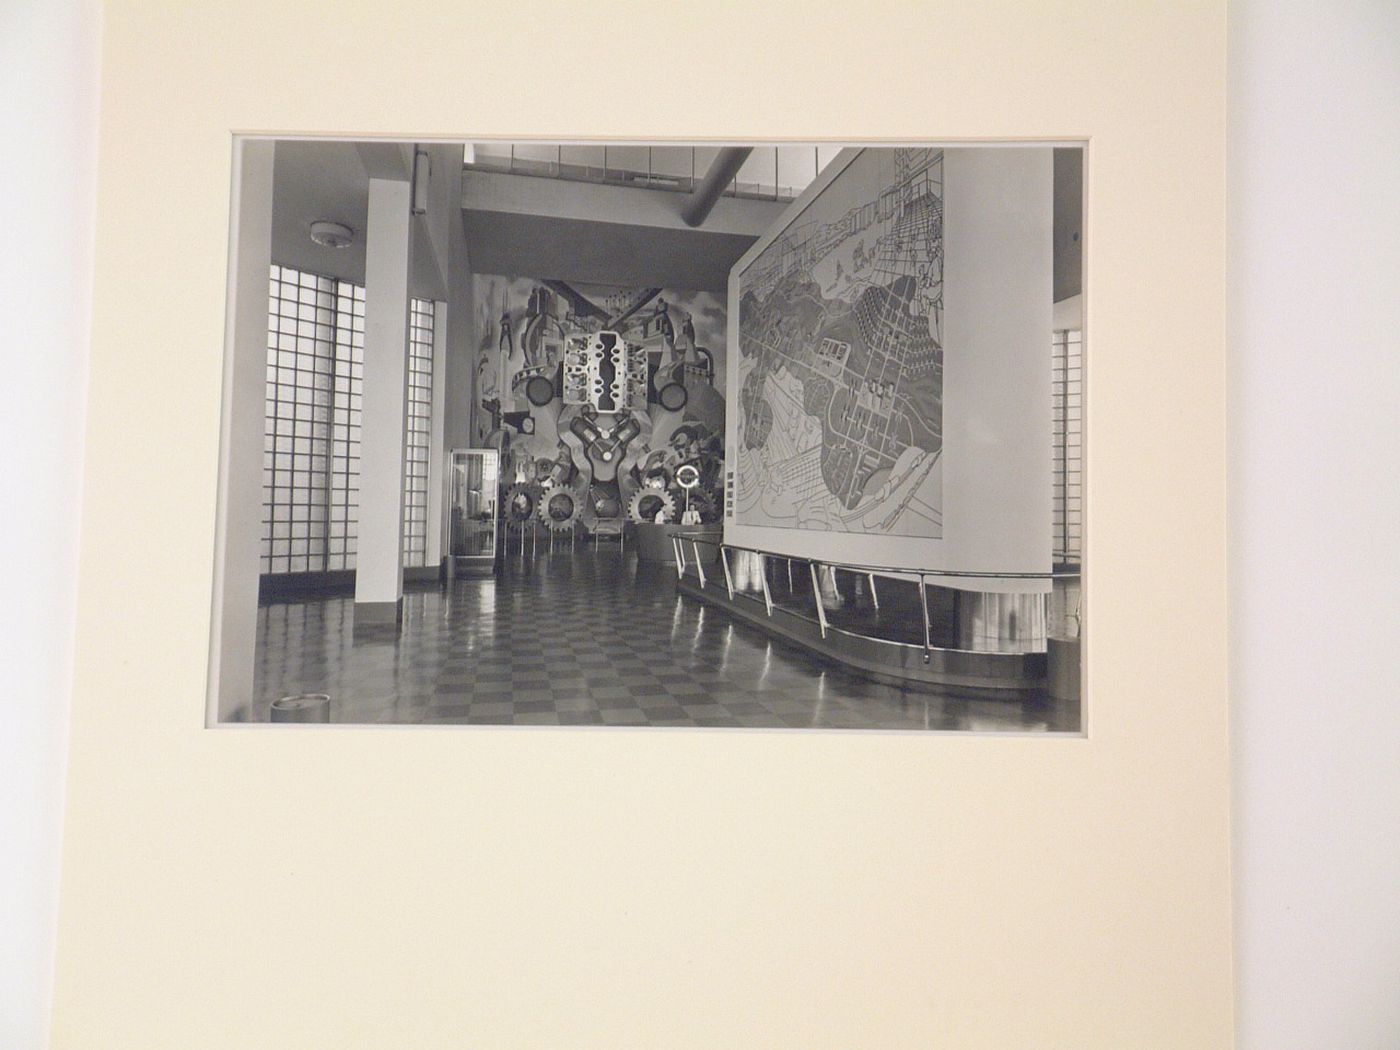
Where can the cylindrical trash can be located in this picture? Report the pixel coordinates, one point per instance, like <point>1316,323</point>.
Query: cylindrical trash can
<point>303,707</point>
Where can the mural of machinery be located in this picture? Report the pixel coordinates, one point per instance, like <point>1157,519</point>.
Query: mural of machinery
<point>560,508</point>
<point>598,397</point>
<point>520,503</point>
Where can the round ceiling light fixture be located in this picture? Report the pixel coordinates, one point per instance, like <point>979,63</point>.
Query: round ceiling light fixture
<point>331,234</point>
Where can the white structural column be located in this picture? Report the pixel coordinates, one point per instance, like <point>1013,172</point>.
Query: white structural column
<point>379,559</point>
<point>234,617</point>
<point>436,525</point>
<point>459,376</point>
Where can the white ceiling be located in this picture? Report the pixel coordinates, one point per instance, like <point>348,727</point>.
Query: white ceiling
<point>315,180</point>
<point>628,236</point>
<point>586,236</point>
<point>590,252</point>
<point>328,180</point>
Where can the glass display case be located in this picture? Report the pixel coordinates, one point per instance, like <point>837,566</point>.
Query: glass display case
<point>475,483</point>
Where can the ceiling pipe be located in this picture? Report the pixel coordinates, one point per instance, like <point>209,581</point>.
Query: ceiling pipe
<point>722,171</point>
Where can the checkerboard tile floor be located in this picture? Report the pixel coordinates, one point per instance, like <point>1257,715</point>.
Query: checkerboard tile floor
<point>588,638</point>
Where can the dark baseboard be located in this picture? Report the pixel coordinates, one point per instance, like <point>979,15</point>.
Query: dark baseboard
<point>298,586</point>
<point>423,574</point>
<point>379,614</point>
<point>338,583</point>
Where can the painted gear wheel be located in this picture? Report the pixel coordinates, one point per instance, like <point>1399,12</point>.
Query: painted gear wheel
<point>647,503</point>
<point>559,508</point>
<point>520,503</point>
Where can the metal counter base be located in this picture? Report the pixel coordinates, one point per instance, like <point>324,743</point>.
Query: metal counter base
<point>1012,675</point>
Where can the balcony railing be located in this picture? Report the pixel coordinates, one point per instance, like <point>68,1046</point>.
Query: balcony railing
<point>892,605</point>
<point>772,173</point>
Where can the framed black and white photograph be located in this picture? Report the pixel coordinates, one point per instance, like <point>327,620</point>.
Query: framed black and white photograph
<point>764,435</point>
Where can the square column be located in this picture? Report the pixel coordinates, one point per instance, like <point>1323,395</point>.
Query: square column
<point>379,558</point>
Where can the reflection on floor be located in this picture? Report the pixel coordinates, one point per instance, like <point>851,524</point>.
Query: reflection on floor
<point>589,638</point>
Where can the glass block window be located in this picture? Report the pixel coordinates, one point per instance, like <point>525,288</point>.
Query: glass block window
<point>345,426</point>
<point>418,431</point>
<point>301,352</point>
<point>311,450</point>
<point>1067,384</point>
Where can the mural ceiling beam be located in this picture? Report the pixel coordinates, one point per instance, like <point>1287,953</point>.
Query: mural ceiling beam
<point>723,168</point>
<point>583,306</point>
<point>640,300</point>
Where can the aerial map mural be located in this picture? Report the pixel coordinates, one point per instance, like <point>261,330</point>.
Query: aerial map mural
<point>840,363</point>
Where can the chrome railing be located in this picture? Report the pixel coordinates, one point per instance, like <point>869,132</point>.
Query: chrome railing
<point>672,171</point>
<point>687,547</point>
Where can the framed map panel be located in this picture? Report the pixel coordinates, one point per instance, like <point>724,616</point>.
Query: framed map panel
<point>891,388</point>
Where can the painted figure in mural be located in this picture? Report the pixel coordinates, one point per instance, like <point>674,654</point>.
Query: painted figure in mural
<point>507,341</point>
<point>485,392</point>
<point>691,440</point>
<point>486,375</point>
<point>561,470</point>
<point>492,405</point>
<point>695,444</point>
<point>688,331</point>
<point>496,435</point>
<point>682,441</point>
<point>656,469</point>
<point>542,341</point>
<point>543,337</point>
<point>662,317</point>
<point>541,302</point>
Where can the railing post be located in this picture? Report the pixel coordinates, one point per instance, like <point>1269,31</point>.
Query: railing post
<point>728,578</point>
<point>699,565</point>
<point>817,596</point>
<point>923,603</point>
<point>679,552</point>
<point>763,578</point>
<point>874,594</point>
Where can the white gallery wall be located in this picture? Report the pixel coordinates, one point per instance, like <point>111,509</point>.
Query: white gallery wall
<point>48,133</point>
<point>1314,387</point>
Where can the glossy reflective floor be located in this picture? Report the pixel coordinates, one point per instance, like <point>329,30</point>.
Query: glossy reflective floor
<point>589,638</point>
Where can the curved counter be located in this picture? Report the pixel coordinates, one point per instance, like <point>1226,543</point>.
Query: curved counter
<point>891,625</point>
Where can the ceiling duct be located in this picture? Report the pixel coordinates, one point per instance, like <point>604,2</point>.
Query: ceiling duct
<point>722,171</point>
